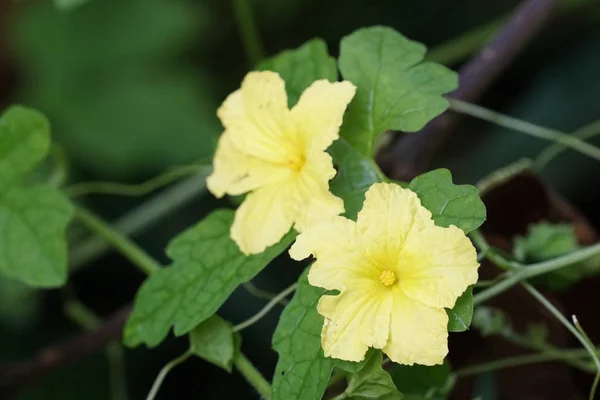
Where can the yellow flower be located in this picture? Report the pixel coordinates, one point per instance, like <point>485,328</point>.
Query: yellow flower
<point>395,271</point>
<point>278,155</point>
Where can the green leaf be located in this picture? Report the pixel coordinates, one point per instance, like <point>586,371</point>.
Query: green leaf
<point>68,5</point>
<point>215,341</point>
<point>208,266</point>
<point>459,317</point>
<point>396,90</point>
<point>302,66</point>
<point>302,371</point>
<point>372,382</point>
<point>33,248</point>
<point>450,204</point>
<point>355,175</point>
<point>545,241</point>
<point>24,142</point>
<point>423,382</point>
<point>490,321</point>
<point>354,367</point>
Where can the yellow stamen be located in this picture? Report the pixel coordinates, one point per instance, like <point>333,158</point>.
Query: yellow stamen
<point>296,162</point>
<point>387,277</point>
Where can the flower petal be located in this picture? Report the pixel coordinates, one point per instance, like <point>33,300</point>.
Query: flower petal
<point>339,252</point>
<point>389,215</point>
<point>264,217</point>
<point>320,110</point>
<point>436,266</point>
<point>354,321</point>
<point>418,333</point>
<point>317,203</point>
<point>258,119</point>
<point>236,172</point>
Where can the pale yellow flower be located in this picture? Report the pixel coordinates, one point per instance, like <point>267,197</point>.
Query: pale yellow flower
<point>278,155</point>
<point>395,271</point>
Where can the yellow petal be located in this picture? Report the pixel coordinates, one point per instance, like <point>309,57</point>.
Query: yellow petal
<point>436,266</point>
<point>258,119</point>
<point>264,217</point>
<point>340,256</point>
<point>316,203</point>
<point>354,321</point>
<point>389,215</point>
<point>418,333</point>
<point>320,110</point>
<point>236,172</point>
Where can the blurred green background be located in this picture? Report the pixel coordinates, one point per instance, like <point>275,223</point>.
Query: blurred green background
<point>131,89</point>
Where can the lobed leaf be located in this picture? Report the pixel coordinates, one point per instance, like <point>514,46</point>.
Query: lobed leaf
<point>459,316</point>
<point>33,248</point>
<point>302,371</point>
<point>24,142</point>
<point>372,382</point>
<point>450,204</point>
<point>215,341</point>
<point>300,67</point>
<point>207,267</point>
<point>355,175</point>
<point>396,90</point>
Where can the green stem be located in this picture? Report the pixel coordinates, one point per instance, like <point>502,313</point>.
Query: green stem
<point>61,167</point>
<point>563,355</point>
<point>274,301</point>
<point>550,307</point>
<point>122,189</point>
<point>248,31</point>
<point>253,376</point>
<point>164,372</point>
<point>585,133</point>
<point>529,271</point>
<point>81,315</point>
<point>119,241</point>
<point>591,344</point>
<point>525,127</point>
<point>261,294</point>
<point>144,216</point>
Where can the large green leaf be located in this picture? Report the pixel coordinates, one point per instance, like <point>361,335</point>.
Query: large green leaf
<point>423,382</point>
<point>302,371</point>
<point>355,175</point>
<point>459,317</point>
<point>33,248</point>
<point>450,204</point>
<point>215,341</point>
<point>396,91</point>
<point>24,142</point>
<point>207,267</point>
<point>302,66</point>
<point>372,382</point>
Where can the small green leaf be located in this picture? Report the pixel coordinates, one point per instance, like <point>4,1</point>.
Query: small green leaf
<point>208,266</point>
<point>423,382</point>
<point>355,175</point>
<point>24,142</point>
<point>302,66</point>
<point>33,248</point>
<point>545,241</point>
<point>354,367</point>
<point>459,317</point>
<point>302,371</point>
<point>372,382</point>
<point>215,341</point>
<point>396,91</point>
<point>450,204</point>
<point>490,321</point>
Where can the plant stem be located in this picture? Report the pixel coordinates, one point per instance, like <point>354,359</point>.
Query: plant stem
<point>253,376</point>
<point>529,271</point>
<point>591,344</point>
<point>261,294</point>
<point>123,189</point>
<point>582,338</point>
<point>248,31</point>
<point>525,127</point>
<point>144,216</point>
<point>121,242</point>
<point>163,374</point>
<point>265,309</point>
<point>585,133</point>
<point>562,355</point>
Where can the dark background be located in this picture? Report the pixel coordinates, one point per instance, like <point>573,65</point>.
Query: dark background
<point>131,88</point>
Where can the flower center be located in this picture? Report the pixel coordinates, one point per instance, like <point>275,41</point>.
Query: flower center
<point>296,162</point>
<point>387,277</point>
